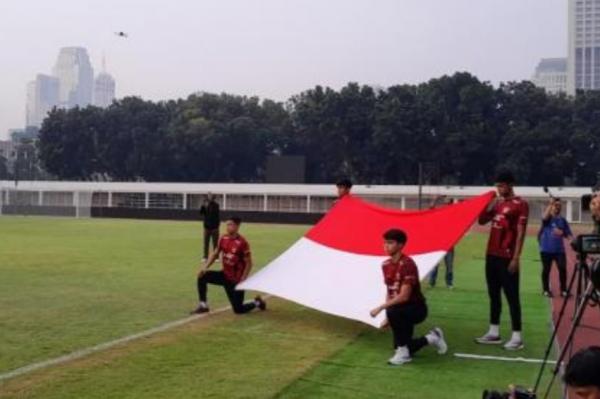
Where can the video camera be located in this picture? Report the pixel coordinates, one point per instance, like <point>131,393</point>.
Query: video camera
<point>586,270</point>
<point>514,393</point>
<point>586,244</point>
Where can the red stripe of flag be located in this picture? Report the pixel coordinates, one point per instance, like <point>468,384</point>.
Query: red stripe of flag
<point>356,226</point>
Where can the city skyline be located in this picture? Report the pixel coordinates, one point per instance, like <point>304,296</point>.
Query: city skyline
<point>275,50</point>
<point>72,84</point>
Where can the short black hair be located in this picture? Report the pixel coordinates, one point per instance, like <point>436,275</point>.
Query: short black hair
<point>582,370</point>
<point>344,183</point>
<point>395,235</point>
<point>236,219</point>
<point>505,176</point>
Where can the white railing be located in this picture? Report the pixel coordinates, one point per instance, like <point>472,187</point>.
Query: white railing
<point>47,197</point>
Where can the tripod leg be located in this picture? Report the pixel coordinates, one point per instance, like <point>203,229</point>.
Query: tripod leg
<point>578,316</point>
<point>561,313</point>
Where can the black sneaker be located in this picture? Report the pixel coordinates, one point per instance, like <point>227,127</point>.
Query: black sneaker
<point>565,294</point>
<point>548,294</point>
<point>200,309</point>
<point>262,305</point>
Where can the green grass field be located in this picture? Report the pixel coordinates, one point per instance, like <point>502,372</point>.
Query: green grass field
<point>66,284</point>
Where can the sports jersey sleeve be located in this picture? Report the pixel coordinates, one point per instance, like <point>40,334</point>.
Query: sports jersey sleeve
<point>411,273</point>
<point>245,248</point>
<point>523,213</point>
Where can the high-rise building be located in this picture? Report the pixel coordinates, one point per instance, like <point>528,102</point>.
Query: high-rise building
<point>42,96</point>
<point>584,45</point>
<point>551,74</point>
<point>76,75</point>
<point>71,85</point>
<point>104,88</point>
<point>8,154</point>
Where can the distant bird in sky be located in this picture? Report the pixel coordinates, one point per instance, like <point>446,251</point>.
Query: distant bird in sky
<point>121,34</point>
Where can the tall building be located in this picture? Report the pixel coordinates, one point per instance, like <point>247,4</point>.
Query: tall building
<point>8,154</point>
<point>584,45</point>
<point>104,88</point>
<point>76,75</point>
<point>551,74</point>
<point>42,96</point>
<point>71,85</point>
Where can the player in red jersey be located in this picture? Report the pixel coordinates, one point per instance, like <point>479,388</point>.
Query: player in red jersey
<point>237,263</point>
<point>405,304</point>
<point>344,186</point>
<point>508,215</point>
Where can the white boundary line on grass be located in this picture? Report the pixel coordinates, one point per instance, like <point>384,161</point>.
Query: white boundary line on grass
<point>501,358</point>
<point>78,354</point>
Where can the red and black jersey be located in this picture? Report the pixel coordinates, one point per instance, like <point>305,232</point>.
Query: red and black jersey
<point>396,274</point>
<point>507,216</point>
<point>234,251</point>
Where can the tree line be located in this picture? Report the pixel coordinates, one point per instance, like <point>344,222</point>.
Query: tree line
<point>459,129</point>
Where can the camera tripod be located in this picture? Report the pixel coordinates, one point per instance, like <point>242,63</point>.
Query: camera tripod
<point>586,294</point>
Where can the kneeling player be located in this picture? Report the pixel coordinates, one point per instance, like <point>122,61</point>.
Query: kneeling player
<point>237,263</point>
<point>405,305</point>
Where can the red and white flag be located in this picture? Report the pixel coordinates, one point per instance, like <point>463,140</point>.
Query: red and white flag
<point>336,266</point>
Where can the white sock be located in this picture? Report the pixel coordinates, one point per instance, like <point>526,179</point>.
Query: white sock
<point>494,330</point>
<point>403,351</point>
<point>432,338</point>
<point>203,304</point>
<point>516,336</point>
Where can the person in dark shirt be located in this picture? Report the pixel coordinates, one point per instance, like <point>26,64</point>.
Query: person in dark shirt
<point>404,303</point>
<point>237,263</point>
<point>212,220</point>
<point>509,215</point>
<point>553,232</point>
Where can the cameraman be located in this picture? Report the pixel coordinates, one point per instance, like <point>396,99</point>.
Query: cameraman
<point>553,231</point>
<point>582,376</point>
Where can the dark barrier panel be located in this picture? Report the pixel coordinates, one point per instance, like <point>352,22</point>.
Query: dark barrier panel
<point>187,214</point>
<point>38,210</point>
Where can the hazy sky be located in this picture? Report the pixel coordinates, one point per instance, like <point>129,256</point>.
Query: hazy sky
<point>274,48</point>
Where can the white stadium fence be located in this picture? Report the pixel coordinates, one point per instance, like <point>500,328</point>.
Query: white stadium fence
<point>80,199</point>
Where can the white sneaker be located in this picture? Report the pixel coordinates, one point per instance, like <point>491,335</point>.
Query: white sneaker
<point>489,339</point>
<point>439,342</point>
<point>514,345</point>
<point>399,358</point>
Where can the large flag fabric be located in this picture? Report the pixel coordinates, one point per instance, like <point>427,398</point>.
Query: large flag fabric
<point>336,266</point>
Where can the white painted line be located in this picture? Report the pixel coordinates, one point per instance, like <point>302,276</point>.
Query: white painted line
<point>107,345</point>
<point>501,358</point>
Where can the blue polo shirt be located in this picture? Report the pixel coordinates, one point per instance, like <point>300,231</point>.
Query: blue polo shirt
<point>549,241</point>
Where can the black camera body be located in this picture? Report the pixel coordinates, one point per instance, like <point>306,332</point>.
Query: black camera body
<point>515,392</point>
<point>589,244</point>
<point>586,244</point>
